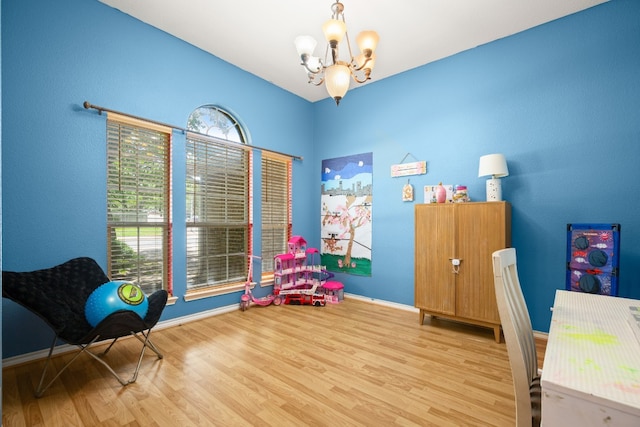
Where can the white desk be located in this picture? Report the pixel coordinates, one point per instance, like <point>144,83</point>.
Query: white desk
<point>591,370</point>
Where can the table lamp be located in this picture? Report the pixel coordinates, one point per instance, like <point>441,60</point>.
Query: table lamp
<point>496,166</point>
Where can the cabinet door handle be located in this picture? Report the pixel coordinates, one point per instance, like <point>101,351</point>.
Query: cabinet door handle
<point>455,262</point>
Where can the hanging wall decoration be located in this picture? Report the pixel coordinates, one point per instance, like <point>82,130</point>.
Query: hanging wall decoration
<point>346,202</point>
<point>407,192</point>
<point>406,169</point>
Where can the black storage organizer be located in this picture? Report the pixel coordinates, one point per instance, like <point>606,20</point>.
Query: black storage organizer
<point>593,258</point>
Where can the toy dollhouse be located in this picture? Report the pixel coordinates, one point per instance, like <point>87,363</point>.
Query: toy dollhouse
<point>299,277</point>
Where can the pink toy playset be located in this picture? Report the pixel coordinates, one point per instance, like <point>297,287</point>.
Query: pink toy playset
<point>299,278</point>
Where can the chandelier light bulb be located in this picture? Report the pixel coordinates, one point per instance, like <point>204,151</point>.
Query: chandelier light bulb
<point>305,45</point>
<point>314,64</point>
<point>337,78</point>
<point>367,42</point>
<point>334,31</point>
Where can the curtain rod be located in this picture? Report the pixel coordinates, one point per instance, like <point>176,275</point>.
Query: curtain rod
<point>87,105</point>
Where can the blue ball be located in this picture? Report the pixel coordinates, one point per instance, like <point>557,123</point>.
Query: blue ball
<point>114,296</point>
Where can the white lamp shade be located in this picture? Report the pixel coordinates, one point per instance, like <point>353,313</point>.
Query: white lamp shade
<point>337,78</point>
<point>305,44</point>
<point>493,165</point>
<point>367,41</point>
<point>314,63</point>
<point>334,30</point>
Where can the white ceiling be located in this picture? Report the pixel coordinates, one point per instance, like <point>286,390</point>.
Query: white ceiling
<point>257,35</point>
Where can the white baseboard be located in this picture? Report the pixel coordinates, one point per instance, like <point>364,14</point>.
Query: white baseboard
<point>537,334</point>
<point>382,302</point>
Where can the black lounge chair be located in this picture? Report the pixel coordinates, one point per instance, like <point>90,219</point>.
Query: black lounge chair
<point>58,296</point>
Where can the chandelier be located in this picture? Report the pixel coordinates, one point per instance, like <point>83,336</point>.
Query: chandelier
<point>335,73</point>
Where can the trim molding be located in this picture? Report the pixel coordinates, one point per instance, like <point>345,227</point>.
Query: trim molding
<point>213,291</point>
<point>383,302</point>
<point>539,335</point>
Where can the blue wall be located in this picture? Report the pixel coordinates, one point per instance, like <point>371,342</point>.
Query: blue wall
<point>561,101</point>
<point>56,55</point>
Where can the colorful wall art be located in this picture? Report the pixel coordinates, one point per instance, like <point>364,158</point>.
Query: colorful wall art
<point>346,192</point>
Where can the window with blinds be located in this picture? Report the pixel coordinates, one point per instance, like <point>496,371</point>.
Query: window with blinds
<point>138,203</point>
<point>276,208</point>
<point>217,201</point>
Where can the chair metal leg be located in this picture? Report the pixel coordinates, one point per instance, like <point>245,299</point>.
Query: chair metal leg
<point>40,389</point>
<point>106,365</point>
<point>109,348</point>
<point>146,342</point>
<point>154,349</point>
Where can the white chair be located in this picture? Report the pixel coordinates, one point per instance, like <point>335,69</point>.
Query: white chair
<point>518,335</point>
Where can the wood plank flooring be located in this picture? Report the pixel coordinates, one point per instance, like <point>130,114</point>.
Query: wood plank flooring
<point>349,364</point>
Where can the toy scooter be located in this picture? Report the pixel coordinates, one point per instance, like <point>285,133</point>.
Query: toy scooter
<point>247,298</point>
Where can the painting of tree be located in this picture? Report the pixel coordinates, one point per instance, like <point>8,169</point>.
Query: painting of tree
<point>346,214</point>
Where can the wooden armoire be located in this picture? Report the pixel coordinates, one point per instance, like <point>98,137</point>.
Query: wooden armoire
<point>453,266</point>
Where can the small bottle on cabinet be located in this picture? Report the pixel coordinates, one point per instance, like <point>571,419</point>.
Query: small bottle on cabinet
<point>441,193</point>
<point>460,195</point>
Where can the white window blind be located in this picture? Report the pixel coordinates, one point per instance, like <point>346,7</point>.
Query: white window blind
<point>138,203</point>
<point>276,207</point>
<point>218,211</point>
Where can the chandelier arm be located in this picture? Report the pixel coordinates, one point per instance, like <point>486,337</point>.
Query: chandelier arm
<point>364,64</point>
<point>305,64</point>
<point>337,10</point>
<point>313,82</point>
<point>326,55</point>
<point>346,36</point>
<point>309,70</point>
<point>366,77</point>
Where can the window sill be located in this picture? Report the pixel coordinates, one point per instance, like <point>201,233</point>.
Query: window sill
<point>266,280</point>
<point>213,291</point>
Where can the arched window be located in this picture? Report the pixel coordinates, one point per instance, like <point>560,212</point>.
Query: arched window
<point>217,199</point>
<point>216,122</point>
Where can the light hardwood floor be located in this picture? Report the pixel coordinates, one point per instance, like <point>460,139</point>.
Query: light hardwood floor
<point>349,364</point>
